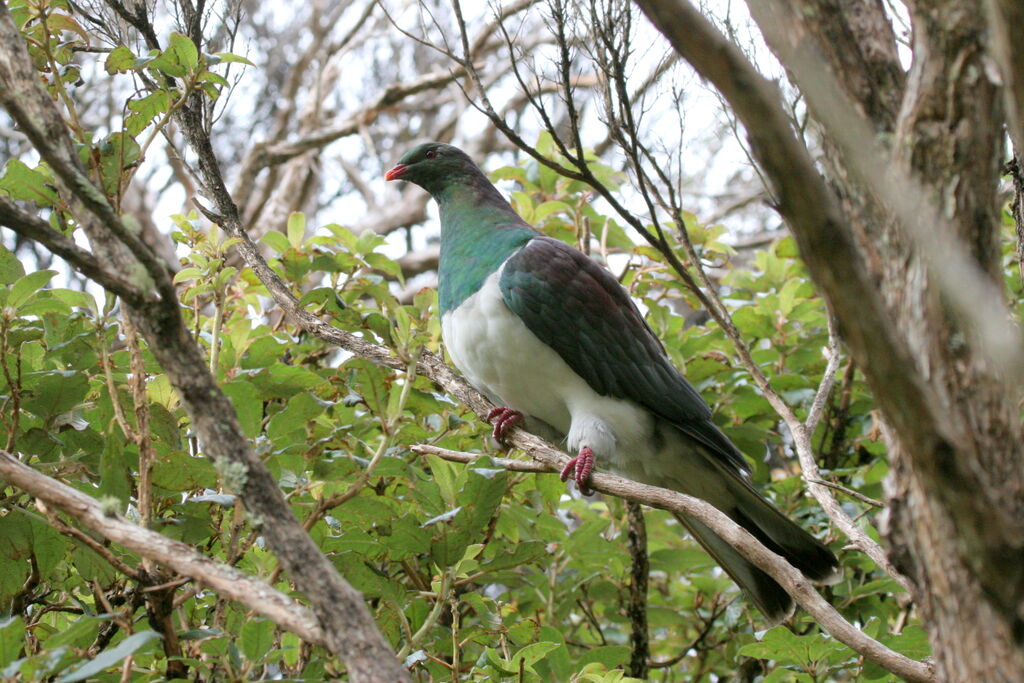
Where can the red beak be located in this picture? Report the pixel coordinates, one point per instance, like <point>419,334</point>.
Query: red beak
<point>396,172</point>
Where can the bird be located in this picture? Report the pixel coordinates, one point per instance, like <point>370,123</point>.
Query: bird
<point>557,344</point>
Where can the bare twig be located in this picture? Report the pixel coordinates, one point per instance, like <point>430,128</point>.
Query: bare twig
<point>850,492</point>
<point>458,456</point>
<point>88,541</point>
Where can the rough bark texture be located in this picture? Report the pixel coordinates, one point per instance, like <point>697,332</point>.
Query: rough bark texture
<point>1005,17</point>
<point>947,133</point>
<point>956,446</point>
<point>637,608</point>
<point>950,133</point>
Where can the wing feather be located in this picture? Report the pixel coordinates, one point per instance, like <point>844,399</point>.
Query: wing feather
<point>577,308</point>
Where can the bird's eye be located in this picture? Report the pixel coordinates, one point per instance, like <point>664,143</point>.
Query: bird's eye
<point>431,154</point>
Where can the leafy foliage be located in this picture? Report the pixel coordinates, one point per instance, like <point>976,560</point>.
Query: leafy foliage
<point>472,572</point>
<point>498,573</point>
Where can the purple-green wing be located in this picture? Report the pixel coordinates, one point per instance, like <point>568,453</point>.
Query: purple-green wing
<point>577,308</point>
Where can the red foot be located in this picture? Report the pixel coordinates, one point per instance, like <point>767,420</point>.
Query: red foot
<point>580,467</point>
<point>503,418</point>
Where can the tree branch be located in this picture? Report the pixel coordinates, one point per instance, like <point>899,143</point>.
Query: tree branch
<point>1005,17</point>
<point>349,628</point>
<point>180,557</point>
<point>36,229</point>
<point>775,566</point>
<point>911,406</point>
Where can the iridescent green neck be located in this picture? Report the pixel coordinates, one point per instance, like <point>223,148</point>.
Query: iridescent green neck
<point>479,230</point>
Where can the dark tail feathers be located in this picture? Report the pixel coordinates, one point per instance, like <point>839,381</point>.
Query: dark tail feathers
<point>779,534</point>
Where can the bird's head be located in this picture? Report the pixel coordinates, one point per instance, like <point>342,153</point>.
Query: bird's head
<point>434,166</point>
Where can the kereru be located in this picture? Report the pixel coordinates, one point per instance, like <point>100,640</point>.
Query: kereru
<point>549,335</point>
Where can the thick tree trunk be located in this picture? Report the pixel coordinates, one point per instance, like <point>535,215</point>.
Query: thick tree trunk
<point>950,135</point>
<point>945,125</point>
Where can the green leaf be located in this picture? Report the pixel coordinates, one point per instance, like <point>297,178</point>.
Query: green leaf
<point>549,208</point>
<point>15,537</point>
<point>256,638</point>
<point>76,299</point>
<point>296,228</point>
<point>13,573</point>
<point>54,392</point>
<point>108,658</point>
<point>232,57</point>
<point>12,639</point>
<point>49,547</point>
<point>263,352</point>
<point>753,322</point>
<point>510,173</point>
<point>407,538</point>
<point>787,676</point>
<point>533,653</point>
<point>178,471</point>
<point>10,267</point>
<point>385,264</point>
<point>557,661</point>
<point>145,109</point>
<point>114,474</point>
<point>444,476</point>
<point>185,51</point>
<point>26,184</point>
<point>165,62</point>
<point>787,296</point>
<point>41,305</point>
<point>78,635</point>
<point>276,241</point>
<point>91,566</point>
<point>117,152</point>
<point>479,497</point>
<point>58,22</point>
<point>609,656</point>
<point>210,77</point>
<point>190,273</point>
<point>326,298</point>
<point>912,642</point>
<point>522,553</point>
<point>28,285</point>
<point>120,60</point>
<point>164,425</point>
<point>159,390</point>
<point>779,644</point>
<point>292,421</point>
<point>248,406</point>
<point>284,381</point>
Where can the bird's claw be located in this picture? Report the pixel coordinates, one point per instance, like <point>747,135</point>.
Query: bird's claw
<point>503,418</point>
<point>580,468</point>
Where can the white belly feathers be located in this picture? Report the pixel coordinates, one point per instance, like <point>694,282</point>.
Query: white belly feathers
<point>501,357</point>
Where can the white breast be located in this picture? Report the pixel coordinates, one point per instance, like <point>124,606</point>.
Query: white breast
<point>501,357</point>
